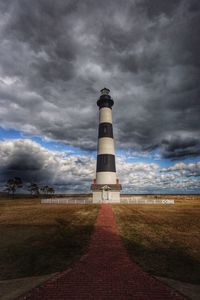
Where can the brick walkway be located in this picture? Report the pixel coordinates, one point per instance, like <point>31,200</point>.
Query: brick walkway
<point>106,272</point>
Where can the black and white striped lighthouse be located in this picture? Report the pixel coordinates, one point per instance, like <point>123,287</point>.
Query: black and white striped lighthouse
<point>106,187</point>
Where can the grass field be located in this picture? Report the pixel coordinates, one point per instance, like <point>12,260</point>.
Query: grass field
<point>41,239</point>
<point>163,239</point>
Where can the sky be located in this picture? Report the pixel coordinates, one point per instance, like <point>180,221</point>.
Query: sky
<point>56,56</point>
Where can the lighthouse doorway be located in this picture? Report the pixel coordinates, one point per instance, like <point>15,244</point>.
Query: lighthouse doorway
<point>105,194</point>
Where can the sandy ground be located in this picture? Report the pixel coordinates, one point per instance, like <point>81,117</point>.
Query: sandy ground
<point>192,291</point>
<point>10,289</point>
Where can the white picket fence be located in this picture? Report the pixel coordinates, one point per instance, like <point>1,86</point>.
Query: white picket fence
<point>135,200</point>
<point>123,200</point>
<point>66,201</point>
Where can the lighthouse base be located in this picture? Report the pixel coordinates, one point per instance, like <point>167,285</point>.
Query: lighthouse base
<point>106,193</point>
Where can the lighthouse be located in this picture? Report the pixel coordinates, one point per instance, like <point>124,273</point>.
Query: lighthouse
<point>106,187</point>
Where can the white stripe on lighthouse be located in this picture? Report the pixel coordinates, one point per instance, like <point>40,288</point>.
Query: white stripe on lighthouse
<point>106,178</point>
<point>106,146</point>
<point>105,115</point>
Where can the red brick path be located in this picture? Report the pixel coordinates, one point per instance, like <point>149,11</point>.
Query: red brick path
<point>106,272</point>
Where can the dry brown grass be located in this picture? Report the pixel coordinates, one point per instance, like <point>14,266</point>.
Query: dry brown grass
<point>40,238</point>
<point>163,239</point>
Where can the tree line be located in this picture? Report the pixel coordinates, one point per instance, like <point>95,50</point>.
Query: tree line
<point>13,184</point>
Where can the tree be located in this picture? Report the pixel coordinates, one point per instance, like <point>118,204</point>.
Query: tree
<point>44,189</point>
<point>51,190</point>
<point>33,188</point>
<point>13,184</point>
<point>47,190</point>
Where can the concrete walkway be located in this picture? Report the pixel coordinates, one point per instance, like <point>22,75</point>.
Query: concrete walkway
<point>106,272</point>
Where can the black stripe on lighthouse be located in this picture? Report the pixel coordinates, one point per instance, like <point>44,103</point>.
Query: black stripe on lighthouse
<point>105,130</point>
<point>106,163</point>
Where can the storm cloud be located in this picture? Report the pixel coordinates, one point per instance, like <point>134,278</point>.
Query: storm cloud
<point>57,55</point>
<point>74,173</point>
<point>33,163</point>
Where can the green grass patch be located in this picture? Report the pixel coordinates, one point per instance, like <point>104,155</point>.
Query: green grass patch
<point>163,239</point>
<point>39,239</point>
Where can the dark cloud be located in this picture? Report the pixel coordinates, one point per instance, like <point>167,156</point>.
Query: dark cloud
<point>73,173</point>
<point>57,55</point>
<point>180,147</point>
<point>24,159</point>
<point>156,8</point>
<point>32,163</point>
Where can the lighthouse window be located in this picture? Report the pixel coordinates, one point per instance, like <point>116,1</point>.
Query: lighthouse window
<point>105,129</point>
